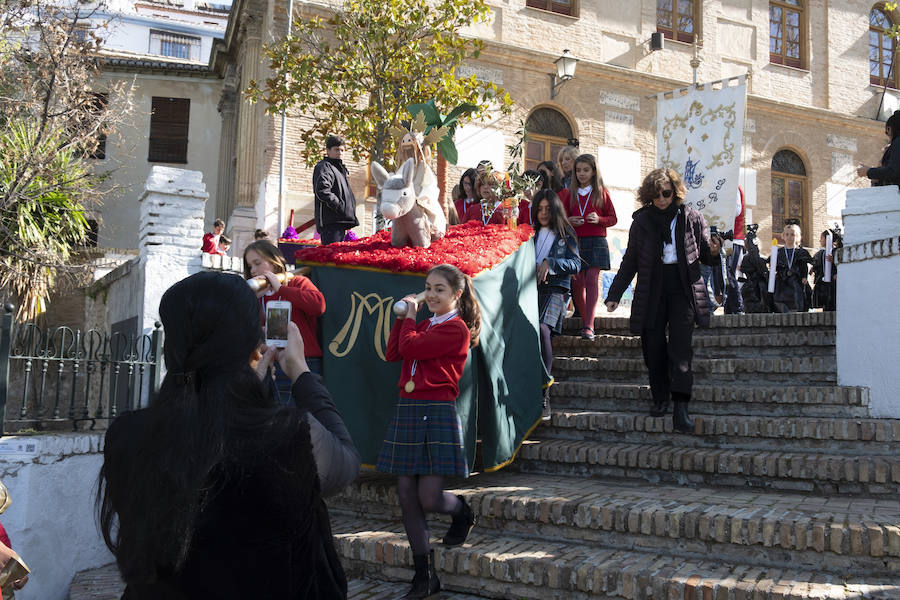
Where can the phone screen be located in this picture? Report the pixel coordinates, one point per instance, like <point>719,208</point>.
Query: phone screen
<point>277,319</point>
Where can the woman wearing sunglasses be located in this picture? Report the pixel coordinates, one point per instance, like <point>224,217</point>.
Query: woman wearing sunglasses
<point>666,244</point>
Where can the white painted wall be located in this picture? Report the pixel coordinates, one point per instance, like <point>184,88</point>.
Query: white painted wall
<point>868,316</point>
<point>52,480</point>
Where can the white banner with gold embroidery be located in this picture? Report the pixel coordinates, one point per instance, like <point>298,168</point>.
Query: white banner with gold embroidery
<point>699,134</point>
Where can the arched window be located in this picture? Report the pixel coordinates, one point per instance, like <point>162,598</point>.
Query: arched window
<point>785,33</point>
<point>881,49</point>
<point>675,19</point>
<point>788,191</point>
<point>548,132</point>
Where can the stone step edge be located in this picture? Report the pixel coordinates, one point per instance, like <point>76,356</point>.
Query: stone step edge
<point>528,567</point>
<point>821,394</point>
<point>847,429</point>
<point>837,533</point>
<point>808,466</point>
<point>808,319</point>
<point>777,341</point>
<point>824,365</point>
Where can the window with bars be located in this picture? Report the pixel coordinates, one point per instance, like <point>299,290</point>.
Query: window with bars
<point>788,191</point>
<point>563,7</point>
<point>174,45</point>
<point>881,49</point>
<point>675,19</point>
<point>169,122</point>
<point>785,33</point>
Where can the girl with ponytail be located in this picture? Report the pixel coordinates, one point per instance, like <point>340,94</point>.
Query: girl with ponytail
<point>424,441</point>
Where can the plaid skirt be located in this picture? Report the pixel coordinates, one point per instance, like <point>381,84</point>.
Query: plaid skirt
<point>594,251</point>
<point>552,301</point>
<point>424,438</point>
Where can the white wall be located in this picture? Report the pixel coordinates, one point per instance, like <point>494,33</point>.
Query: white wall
<point>52,480</point>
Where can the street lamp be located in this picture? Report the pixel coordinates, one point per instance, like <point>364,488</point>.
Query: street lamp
<point>565,70</point>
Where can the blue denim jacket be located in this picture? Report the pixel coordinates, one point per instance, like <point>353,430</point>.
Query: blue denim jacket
<point>563,259</point>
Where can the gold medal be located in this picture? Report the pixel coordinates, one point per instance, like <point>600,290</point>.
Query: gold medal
<point>410,386</point>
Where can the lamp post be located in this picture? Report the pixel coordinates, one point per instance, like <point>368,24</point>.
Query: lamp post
<point>565,70</point>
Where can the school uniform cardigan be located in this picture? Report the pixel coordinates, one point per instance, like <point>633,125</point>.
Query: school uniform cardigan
<point>307,304</point>
<point>440,353</point>
<point>607,214</point>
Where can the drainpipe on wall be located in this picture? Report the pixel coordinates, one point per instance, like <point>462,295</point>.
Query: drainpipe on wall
<point>283,137</point>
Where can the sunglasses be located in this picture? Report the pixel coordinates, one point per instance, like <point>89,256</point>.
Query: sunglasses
<point>666,193</point>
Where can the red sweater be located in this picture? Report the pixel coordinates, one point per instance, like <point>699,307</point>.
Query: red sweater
<point>607,214</point>
<point>210,244</point>
<point>474,213</point>
<point>525,212</point>
<point>462,210</point>
<point>307,303</point>
<point>440,352</point>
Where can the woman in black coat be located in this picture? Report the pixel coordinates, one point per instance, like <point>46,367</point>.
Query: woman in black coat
<point>213,491</point>
<point>666,244</point>
<point>889,171</point>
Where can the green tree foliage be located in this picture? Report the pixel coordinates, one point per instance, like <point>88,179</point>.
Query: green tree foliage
<point>356,72</point>
<point>51,120</point>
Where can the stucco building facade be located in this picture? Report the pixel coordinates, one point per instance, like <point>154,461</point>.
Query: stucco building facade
<point>812,114</point>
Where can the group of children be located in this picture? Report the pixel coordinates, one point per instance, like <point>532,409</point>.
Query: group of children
<point>793,266</point>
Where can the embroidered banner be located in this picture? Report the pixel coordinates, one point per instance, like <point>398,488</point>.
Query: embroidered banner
<point>699,134</point>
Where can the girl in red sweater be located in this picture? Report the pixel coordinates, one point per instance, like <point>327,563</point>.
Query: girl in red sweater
<point>590,211</point>
<point>424,442</point>
<point>262,258</point>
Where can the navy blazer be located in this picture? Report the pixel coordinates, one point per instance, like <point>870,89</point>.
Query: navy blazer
<point>563,258</point>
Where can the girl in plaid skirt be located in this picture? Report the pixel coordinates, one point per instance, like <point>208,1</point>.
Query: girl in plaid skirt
<point>424,442</point>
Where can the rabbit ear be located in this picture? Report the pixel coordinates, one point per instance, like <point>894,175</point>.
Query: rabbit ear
<point>407,170</point>
<point>379,174</point>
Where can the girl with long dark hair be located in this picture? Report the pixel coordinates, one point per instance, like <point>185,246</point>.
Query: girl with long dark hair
<point>424,441</point>
<point>554,176</point>
<point>468,196</point>
<point>213,491</point>
<point>556,253</point>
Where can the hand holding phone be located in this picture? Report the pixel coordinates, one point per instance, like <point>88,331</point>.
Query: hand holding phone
<point>278,316</point>
<point>292,358</point>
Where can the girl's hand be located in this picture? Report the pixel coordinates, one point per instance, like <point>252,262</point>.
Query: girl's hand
<point>592,218</point>
<point>715,246</point>
<point>274,283</point>
<point>611,306</point>
<point>412,307</point>
<point>829,258</point>
<point>861,170</point>
<point>576,221</point>
<point>542,270</point>
<point>292,358</point>
<point>262,360</point>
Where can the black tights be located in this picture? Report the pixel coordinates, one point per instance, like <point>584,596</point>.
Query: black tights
<point>546,347</point>
<point>419,495</point>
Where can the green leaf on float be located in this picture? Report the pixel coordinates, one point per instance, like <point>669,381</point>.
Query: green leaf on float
<point>448,150</point>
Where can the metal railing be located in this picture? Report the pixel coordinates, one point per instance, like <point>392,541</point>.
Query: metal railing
<point>60,377</point>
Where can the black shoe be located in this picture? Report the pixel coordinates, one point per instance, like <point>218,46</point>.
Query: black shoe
<point>681,420</point>
<point>462,524</point>
<point>425,583</point>
<point>587,334</point>
<point>659,408</point>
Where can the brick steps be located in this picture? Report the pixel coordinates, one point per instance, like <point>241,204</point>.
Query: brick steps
<point>504,566</point>
<point>818,342</point>
<point>815,370</point>
<point>819,473</point>
<point>719,324</point>
<point>770,400</point>
<point>762,528</point>
<point>831,435</point>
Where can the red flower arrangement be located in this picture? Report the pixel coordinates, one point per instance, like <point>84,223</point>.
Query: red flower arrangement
<point>470,246</point>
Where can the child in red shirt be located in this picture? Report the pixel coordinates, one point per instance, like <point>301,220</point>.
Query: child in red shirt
<point>263,259</point>
<point>590,211</point>
<point>424,442</point>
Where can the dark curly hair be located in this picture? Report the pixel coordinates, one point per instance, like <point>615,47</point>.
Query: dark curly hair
<point>654,181</point>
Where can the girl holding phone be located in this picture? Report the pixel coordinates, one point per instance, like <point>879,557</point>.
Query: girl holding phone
<point>424,441</point>
<point>263,259</point>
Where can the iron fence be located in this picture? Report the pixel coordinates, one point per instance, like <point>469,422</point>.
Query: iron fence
<point>61,377</point>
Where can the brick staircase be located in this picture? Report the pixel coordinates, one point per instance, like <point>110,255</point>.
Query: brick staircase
<point>787,490</point>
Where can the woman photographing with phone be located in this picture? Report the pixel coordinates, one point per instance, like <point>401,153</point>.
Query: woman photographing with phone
<point>214,491</point>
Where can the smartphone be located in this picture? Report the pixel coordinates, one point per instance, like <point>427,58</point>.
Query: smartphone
<point>278,315</point>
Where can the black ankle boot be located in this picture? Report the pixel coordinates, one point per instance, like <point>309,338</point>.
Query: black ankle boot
<point>681,420</point>
<point>462,524</point>
<point>659,407</point>
<point>425,584</point>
